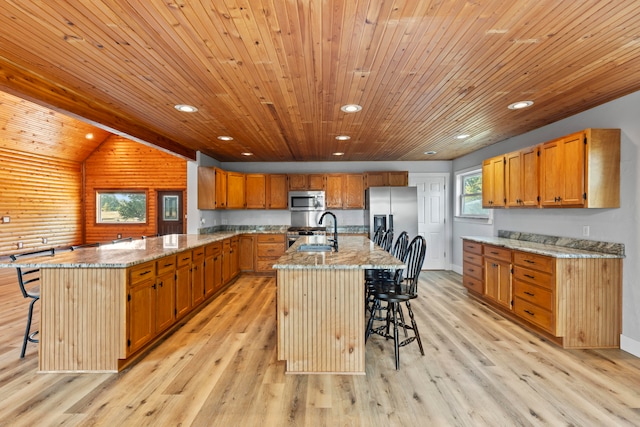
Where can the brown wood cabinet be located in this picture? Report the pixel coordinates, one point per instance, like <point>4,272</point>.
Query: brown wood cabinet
<point>298,182</point>
<point>197,276</point>
<point>345,191</point>
<point>183,284</point>
<point>277,191</point>
<point>497,275</point>
<point>472,266</point>
<point>220,188</point>
<point>269,247</point>
<point>255,191</point>
<point>581,170</point>
<point>246,258</point>
<point>334,191</point>
<point>206,188</point>
<point>521,178</point>
<point>141,305</point>
<point>235,190</point>
<point>493,182</point>
<point>212,268</point>
<point>575,302</point>
<point>385,179</point>
<point>316,182</point>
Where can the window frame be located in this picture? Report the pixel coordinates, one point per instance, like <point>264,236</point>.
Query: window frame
<point>460,177</point>
<point>98,218</point>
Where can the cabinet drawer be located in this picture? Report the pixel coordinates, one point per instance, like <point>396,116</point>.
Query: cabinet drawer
<point>198,254</point>
<point>184,258</point>
<point>472,258</point>
<point>265,264</point>
<point>496,252</point>
<point>537,262</point>
<point>141,272</point>
<point>532,276</point>
<point>471,270</point>
<point>226,245</point>
<point>166,265</point>
<point>213,249</point>
<point>534,314</point>
<point>473,247</point>
<point>539,296</point>
<point>270,249</point>
<point>270,238</point>
<point>473,284</point>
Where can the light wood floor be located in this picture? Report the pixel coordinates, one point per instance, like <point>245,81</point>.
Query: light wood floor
<point>220,369</point>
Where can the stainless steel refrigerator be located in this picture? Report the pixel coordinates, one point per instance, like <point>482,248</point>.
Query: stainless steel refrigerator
<point>392,207</point>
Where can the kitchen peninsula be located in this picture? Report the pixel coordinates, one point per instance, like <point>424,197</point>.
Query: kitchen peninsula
<point>102,306</point>
<point>320,305</point>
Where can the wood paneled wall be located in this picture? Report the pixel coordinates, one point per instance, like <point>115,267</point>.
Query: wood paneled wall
<point>122,164</point>
<point>42,198</point>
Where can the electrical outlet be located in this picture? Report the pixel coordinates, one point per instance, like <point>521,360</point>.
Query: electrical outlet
<point>585,230</point>
<point>119,236</point>
<point>44,240</point>
<point>19,245</point>
<point>6,219</point>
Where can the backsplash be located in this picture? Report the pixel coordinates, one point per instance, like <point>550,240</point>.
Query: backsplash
<point>567,242</point>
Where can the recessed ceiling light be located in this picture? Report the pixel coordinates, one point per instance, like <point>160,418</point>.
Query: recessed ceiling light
<point>343,137</point>
<point>89,136</point>
<point>463,136</point>
<point>186,108</point>
<point>247,154</point>
<point>430,152</point>
<point>338,154</point>
<point>520,104</point>
<point>225,138</point>
<point>351,108</point>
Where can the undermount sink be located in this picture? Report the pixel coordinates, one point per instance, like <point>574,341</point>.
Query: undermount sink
<point>314,247</point>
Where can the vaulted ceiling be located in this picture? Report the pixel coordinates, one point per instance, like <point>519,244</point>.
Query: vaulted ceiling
<point>273,74</point>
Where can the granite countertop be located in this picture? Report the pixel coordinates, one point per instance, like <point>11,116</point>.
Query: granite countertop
<point>121,255</point>
<point>549,249</point>
<point>354,252</point>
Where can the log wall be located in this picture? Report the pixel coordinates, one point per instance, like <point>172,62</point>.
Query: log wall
<point>122,164</point>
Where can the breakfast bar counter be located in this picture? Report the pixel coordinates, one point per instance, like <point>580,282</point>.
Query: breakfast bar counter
<point>320,305</point>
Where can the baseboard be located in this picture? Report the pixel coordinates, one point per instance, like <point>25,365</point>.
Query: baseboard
<point>456,269</point>
<point>630,345</point>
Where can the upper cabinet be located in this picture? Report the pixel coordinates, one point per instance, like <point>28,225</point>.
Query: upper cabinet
<point>206,188</point>
<point>304,181</point>
<point>581,170</point>
<point>493,182</point>
<point>277,191</point>
<point>221,188</point>
<point>345,191</point>
<point>235,190</point>
<point>255,191</point>
<point>385,179</point>
<point>521,178</point>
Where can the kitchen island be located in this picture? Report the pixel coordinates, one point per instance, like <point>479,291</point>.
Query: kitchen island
<point>320,305</point>
<point>101,307</point>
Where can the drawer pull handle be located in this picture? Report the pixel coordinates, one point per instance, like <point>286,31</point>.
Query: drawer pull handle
<point>530,294</point>
<point>530,313</point>
<point>146,272</point>
<point>529,276</point>
<point>529,261</point>
<point>495,253</point>
<point>168,265</point>
<point>494,265</point>
<point>184,259</point>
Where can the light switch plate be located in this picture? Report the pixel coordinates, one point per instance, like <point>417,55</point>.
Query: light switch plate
<point>6,219</point>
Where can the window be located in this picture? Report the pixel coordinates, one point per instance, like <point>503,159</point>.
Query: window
<point>117,207</point>
<point>469,191</point>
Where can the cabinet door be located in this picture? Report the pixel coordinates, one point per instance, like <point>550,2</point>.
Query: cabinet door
<point>297,182</point>
<point>165,301</point>
<point>141,314</point>
<point>529,173</point>
<point>226,261</point>
<point>487,183</point>
<point>493,195</point>
<point>316,181</point>
<point>551,175</point>
<point>513,179</point>
<point>221,188</point>
<point>375,179</point>
<point>217,268</point>
<point>235,257</point>
<point>573,163</point>
<point>256,191</point>
<point>246,253</point>
<point>183,290</point>
<point>277,191</point>
<point>498,281</point>
<point>206,188</point>
<point>197,281</point>
<point>334,191</point>
<point>398,178</point>
<point>235,190</point>
<point>354,191</point>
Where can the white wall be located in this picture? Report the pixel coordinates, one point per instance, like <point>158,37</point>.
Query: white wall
<point>610,225</point>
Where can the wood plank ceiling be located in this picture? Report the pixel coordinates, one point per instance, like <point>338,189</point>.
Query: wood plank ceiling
<point>273,73</point>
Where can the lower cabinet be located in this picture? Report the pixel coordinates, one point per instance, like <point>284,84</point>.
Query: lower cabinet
<point>197,276</point>
<point>576,302</point>
<point>269,247</point>
<point>246,245</point>
<point>183,284</point>
<point>212,268</point>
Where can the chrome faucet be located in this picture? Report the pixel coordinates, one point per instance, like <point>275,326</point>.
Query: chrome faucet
<point>335,228</point>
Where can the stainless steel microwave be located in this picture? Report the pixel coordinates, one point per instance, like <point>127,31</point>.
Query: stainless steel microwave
<point>306,201</point>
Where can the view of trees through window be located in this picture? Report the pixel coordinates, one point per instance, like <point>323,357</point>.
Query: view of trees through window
<point>471,196</point>
<point>122,207</point>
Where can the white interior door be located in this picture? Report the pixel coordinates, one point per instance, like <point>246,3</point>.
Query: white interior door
<point>432,203</point>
